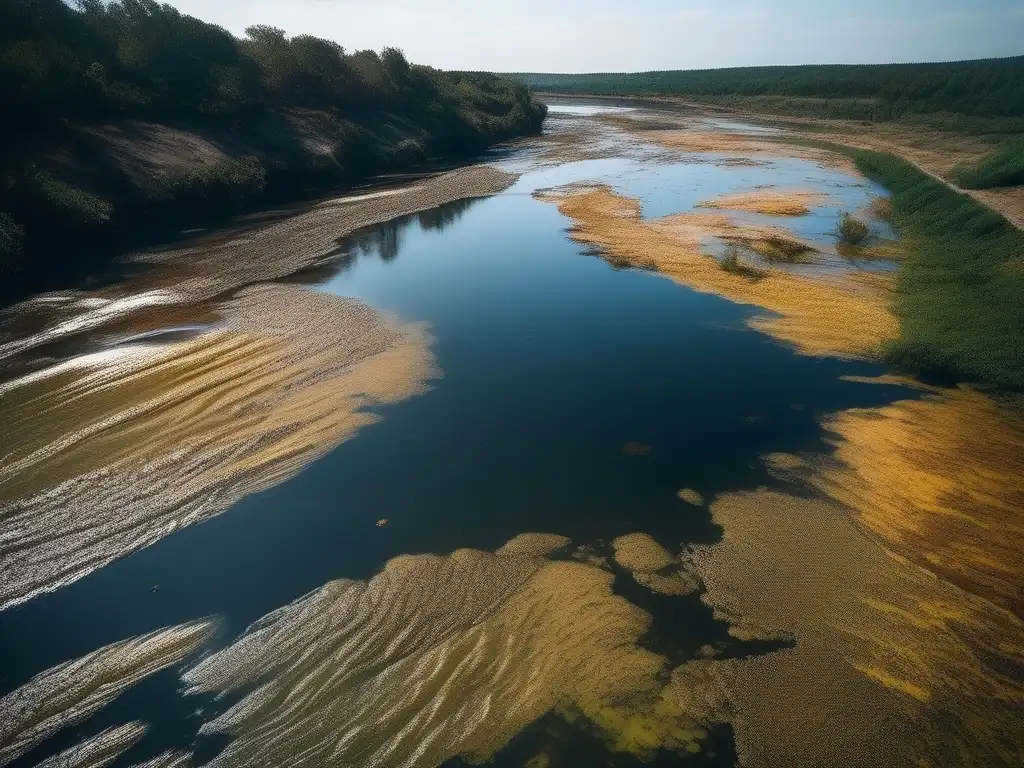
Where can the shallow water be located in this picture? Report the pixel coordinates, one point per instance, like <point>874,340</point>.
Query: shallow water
<point>553,361</point>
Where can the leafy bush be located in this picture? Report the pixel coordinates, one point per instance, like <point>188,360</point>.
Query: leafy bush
<point>734,263</point>
<point>1002,168</point>
<point>851,230</point>
<point>223,187</point>
<point>960,287</point>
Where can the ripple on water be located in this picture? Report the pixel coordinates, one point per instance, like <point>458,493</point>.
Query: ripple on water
<point>103,460</point>
<point>73,691</point>
<point>438,657</point>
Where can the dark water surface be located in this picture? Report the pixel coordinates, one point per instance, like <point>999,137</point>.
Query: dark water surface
<point>552,361</point>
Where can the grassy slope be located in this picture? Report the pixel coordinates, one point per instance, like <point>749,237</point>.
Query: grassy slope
<point>960,293</point>
<point>1003,168</point>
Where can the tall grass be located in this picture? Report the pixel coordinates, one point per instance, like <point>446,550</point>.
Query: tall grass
<point>1002,168</point>
<point>960,290</point>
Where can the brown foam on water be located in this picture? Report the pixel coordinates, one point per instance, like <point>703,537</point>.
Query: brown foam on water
<point>73,691</point>
<point>438,657</point>
<point>891,666</point>
<point>105,458</point>
<point>847,316</point>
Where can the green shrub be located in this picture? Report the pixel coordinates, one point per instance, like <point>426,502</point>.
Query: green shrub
<point>225,186</point>
<point>734,263</point>
<point>851,230</point>
<point>69,204</point>
<point>1002,168</point>
<point>960,287</point>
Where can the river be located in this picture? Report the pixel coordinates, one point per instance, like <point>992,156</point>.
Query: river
<point>259,454</point>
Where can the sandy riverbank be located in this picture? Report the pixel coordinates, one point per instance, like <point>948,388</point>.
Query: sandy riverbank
<point>935,152</point>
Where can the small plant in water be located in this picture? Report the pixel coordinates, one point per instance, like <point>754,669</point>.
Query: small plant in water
<point>734,262</point>
<point>851,230</point>
<point>881,208</point>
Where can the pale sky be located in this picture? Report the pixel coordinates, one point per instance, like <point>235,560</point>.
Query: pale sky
<point>637,35</point>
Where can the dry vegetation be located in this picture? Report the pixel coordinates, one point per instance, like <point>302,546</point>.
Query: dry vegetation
<point>847,316</point>
<point>770,202</point>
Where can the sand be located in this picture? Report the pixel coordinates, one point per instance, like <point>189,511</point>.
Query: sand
<point>847,316</point>
<point>771,202</point>
<point>112,454</point>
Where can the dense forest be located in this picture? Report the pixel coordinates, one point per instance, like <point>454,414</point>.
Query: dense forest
<point>89,88</point>
<point>991,88</point>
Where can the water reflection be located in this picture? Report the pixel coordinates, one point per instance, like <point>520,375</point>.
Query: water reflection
<point>385,241</point>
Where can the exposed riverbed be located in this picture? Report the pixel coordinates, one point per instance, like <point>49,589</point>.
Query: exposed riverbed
<point>510,464</point>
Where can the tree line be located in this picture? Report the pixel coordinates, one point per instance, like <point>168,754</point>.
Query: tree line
<point>981,88</point>
<point>65,65</point>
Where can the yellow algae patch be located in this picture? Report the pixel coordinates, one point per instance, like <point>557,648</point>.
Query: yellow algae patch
<point>640,552</point>
<point>690,496</point>
<point>652,565</point>
<point>941,481</point>
<point>890,667</point>
<point>438,657</point>
<point>103,459</point>
<point>73,691</point>
<point>768,201</point>
<point>847,316</point>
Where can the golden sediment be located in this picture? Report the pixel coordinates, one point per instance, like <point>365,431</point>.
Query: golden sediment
<point>652,565</point>
<point>640,552</point>
<point>847,315</point>
<point>690,496</point>
<point>73,691</point>
<point>772,202</point>
<point>438,657</point>
<point>105,458</point>
<point>742,146</point>
<point>890,667</point>
<point>941,481</point>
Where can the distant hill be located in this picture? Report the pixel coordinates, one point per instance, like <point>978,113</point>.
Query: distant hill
<point>991,88</point>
